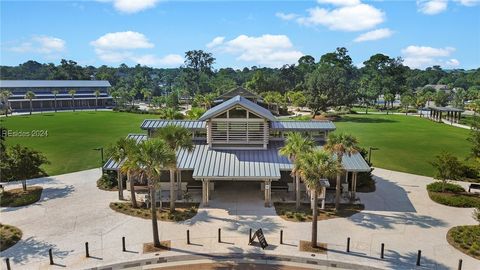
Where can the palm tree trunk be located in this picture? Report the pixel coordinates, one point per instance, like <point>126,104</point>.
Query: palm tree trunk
<point>24,184</point>
<point>73,104</point>
<point>172,190</point>
<point>153,208</point>
<point>120,185</point>
<point>55,103</point>
<point>96,103</point>
<point>297,190</point>
<point>132,191</point>
<point>314,219</point>
<point>31,107</point>
<point>337,193</point>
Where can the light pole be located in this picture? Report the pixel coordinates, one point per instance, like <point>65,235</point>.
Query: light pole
<point>101,155</point>
<point>370,149</point>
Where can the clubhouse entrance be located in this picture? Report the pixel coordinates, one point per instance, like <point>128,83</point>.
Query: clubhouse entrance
<point>228,191</point>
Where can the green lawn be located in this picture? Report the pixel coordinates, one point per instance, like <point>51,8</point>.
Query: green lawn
<point>72,136</point>
<point>406,143</point>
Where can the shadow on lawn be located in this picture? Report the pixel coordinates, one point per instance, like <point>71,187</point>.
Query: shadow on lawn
<point>365,120</point>
<point>31,248</point>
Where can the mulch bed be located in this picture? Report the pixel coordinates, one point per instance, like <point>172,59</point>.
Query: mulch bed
<point>9,236</point>
<point>164,246</point>
<point>288,212</point>
<point>307,247</point>
<point>466,239</point>
<point>17,197</point>
<point>183,211</point>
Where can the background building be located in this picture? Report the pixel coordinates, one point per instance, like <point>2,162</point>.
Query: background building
<point>45,98</point>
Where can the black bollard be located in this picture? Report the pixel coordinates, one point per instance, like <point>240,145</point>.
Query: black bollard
<point>281,237</point>
<point>7,261</point>
<point>188,237</point>
<point>382,251</point>
<point>348,244</point>
<point>219,235</point>
<point>419,256</point>
<point>460,262</point>
<point>250,237</point>
<point>87,254</point>
<point>51,256</point>
<point>123,244</point>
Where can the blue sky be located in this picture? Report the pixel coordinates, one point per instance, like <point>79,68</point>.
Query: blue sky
<point>240,33</point>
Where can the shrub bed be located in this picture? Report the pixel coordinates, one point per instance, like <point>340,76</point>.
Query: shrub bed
<point>466,239</point>
<point>17,197</point>
<point>108,182</point>
<point>288,212</point>
<point>183,211</point>
<point>9,236</point>
<point>453,195</point>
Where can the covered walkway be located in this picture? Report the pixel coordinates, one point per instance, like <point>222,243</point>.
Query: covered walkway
<point>452,115</point>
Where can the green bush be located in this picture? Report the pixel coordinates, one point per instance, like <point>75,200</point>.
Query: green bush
<point>455,200</point>
<point>108,181</point>
<point>449,187</point>
<point>466,239</point>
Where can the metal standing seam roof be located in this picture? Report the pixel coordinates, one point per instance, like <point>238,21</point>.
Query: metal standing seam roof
<point>209,163</point>
<point>52,83</point>
<point>156,123</point>
<point>302,125</point>
<point>238,100</point>
<point>111,164</point>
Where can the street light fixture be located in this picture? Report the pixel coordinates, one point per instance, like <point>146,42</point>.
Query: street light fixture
<point>370,149</point>
<point>101,155</point>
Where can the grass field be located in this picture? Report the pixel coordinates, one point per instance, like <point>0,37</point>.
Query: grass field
<point>72,136</point>
<point>406,143</point>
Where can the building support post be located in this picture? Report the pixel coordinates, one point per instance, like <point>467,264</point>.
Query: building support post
<point>179,185</point>
<point>268,193</point>
<point>346,181</point>
<point>297,191</point>
<point>204,192</point>
<point>354,185</point>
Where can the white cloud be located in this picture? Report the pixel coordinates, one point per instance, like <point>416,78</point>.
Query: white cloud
<point>468,3</point>
<point>171,60</point>
<point>423,56</point>
<point>122,46</point>
<point>286,16</point>
<point>41,45</point>
<point>345,18</point>
<point>452,63</point>
<point>267,50</point>
<point>374,35</point>
<point>131,6</point>
<point>432,7</point>
<point>215,42</point>
<point>122,40</point>
<point>340,2</point>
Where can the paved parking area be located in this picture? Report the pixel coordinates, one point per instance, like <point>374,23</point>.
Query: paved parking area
<point>73,211</point>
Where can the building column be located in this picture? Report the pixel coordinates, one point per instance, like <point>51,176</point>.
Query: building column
<point>179,185</point>
<point>268,193</point>
<point>440,117</point>
<point>354,184</point>
<point>204,192</point>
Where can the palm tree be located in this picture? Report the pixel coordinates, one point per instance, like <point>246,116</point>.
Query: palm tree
<point>154,155</point>
<point>55,93</point>
<point>119,152</point>
<point>176,138</point>
<point>171,114</point>
<point>312,167</point>
<point>72,94</point>
<point>96,93</point>
<point>341,144</point>
<point>5,95</point>
<point>30,96</point>
<point>295,145</point>
<point>131,167</point>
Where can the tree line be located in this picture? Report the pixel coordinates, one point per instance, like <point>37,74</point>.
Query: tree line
<point>331,81</point>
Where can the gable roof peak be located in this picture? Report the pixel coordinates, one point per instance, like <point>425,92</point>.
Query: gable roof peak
<point>237,100</point>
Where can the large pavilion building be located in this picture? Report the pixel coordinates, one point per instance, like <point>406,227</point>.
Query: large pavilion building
<point>54,94</point>
<point>238,140</point>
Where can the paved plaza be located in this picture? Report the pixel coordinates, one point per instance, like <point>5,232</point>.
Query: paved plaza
<point>73,211</point>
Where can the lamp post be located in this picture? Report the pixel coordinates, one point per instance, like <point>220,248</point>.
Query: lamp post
<point>370,149</point>
<point>101,155</point>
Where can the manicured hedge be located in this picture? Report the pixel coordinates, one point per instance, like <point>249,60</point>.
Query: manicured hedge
<point>449,187</point>
<point>455,200</point>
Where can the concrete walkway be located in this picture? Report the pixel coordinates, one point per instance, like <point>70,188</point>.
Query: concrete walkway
<point>73,211</point>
